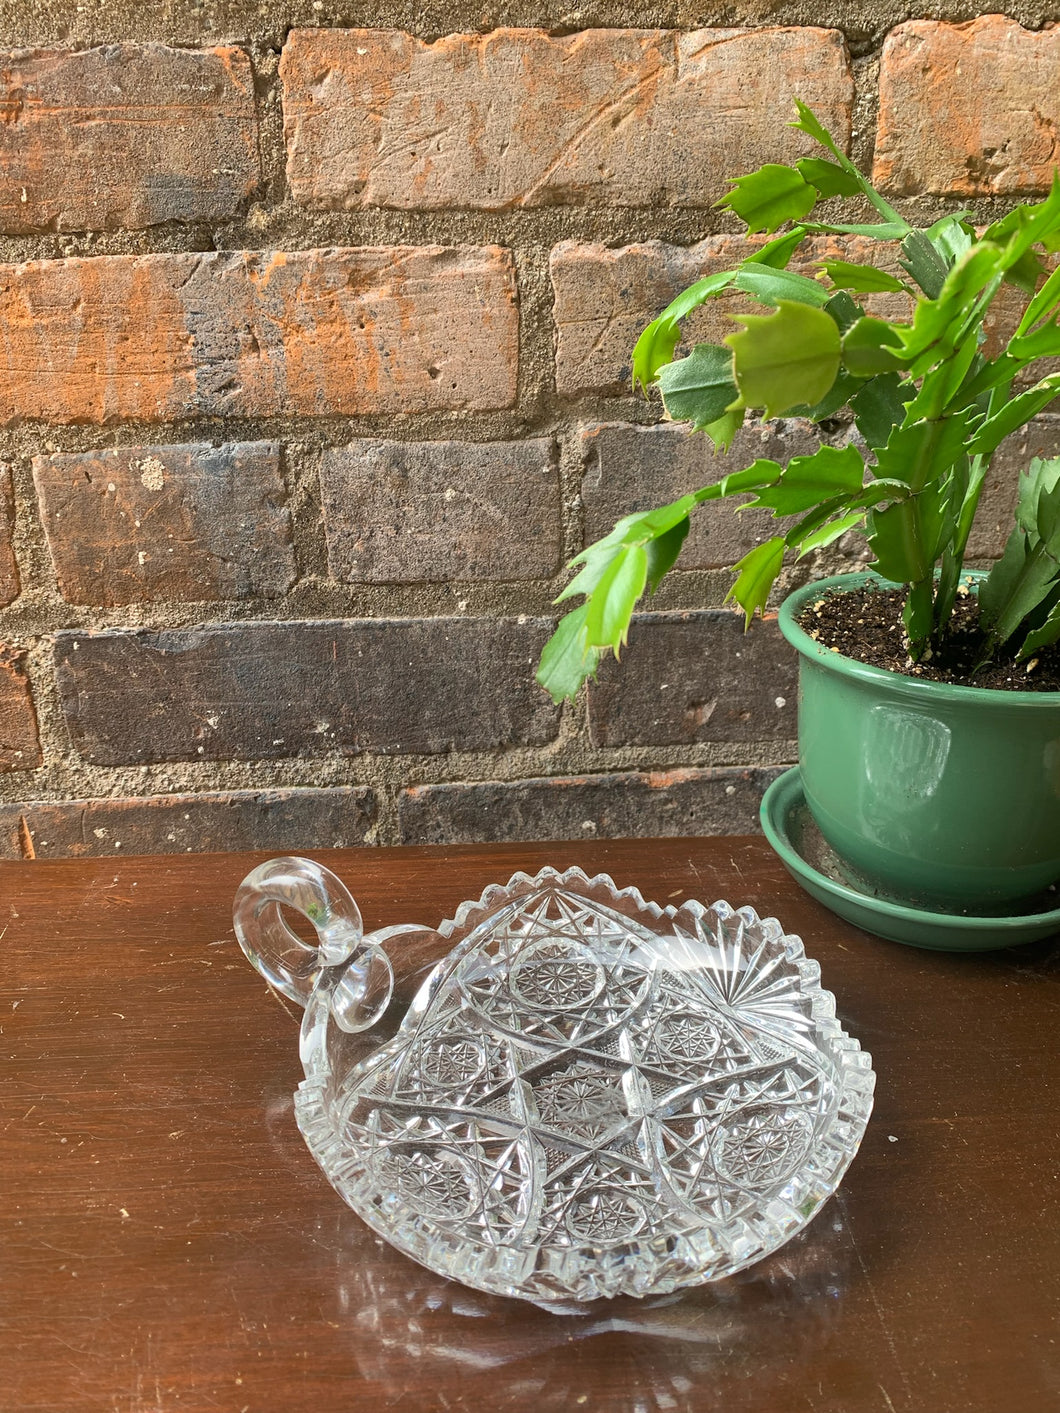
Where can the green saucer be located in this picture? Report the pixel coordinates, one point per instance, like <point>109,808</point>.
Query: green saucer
<point>791,831</point>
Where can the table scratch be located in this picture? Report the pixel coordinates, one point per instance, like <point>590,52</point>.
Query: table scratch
<point>876,1305</point>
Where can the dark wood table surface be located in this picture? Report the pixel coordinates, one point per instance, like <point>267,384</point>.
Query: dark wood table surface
<point>167,1243</point>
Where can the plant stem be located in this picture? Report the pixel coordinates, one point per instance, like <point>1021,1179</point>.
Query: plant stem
<point>917,617</point>
<point>953,559</point>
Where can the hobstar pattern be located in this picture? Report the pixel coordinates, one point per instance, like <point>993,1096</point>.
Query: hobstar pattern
<point>592,1095</point>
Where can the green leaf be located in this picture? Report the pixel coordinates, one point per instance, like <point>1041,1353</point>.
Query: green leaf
<point>699,388</point>
<point>879,405</point>
<point>862,279</point>
<point>1043,636</point>
<point>991,375</point>
<point>767,198</point>
<point>806,481</point>
<point>887,230</point>
<point>566,659</point>
<point>905,537</point>
<point>939,324</point>
<point>611,606</point>
<point>1044,342</point>
<point>809,524</point>
<point>757,573</point>
<point>1043,303</point>
<point>663,551</point>
<point>722,432</point>
<point>1027,225</point>
<point>837,396</point>
<point>1039,499</point>
<point>923,451</point>
<point>698,293</point>
<point>596,558</point>
<point>926,265</point>
<point>952,236</point>
<point>752,478</point>
<point>844,311</point>
<point>653,350</point>
<point>872,346</point>
<point>811,532</point>
<point>777,252</point>
<point>1038,502</point>
<point>811,125</point>
<point>879,491</point>
<point>1028,488</point>
<point>827,177</point>
<point>1013,414</point>
<point>770,286</point>
<point>1015,586</point>
<point>785,359</point>
<point>831,531</point>
<point>943,382</point>
<point>1026,272</point>
<point>657,343</point>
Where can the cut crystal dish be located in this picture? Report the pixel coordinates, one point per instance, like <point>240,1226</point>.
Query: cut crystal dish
<point>589,1095</point>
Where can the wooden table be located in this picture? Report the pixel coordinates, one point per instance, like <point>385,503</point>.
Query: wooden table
<point>169,1244</point>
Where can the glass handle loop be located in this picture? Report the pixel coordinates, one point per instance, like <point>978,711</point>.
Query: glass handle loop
<point>292,966</point>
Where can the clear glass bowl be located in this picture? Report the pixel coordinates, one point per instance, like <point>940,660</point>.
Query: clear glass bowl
<point>588,1096</point>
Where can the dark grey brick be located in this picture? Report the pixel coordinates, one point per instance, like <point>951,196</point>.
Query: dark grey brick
<point>259,690</point>
<point>628,469</point>
<point>620,805</point>
<point>284,820</point>
<point>184,523</point>
<point>694,677</point>
<point>397,512</point>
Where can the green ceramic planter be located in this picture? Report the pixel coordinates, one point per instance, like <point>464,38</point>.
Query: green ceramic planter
<point>944,797</point>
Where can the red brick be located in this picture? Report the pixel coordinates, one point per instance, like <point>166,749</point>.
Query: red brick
<point>184,523</point>
<point>285,820</point>
<point>997,507</point>
<point>270,690</point>
<point>968,110</point>
<point>399,512</point>
<point>627,469</point>
<point>637,804</point>
<point>248,333</point>
<point>604,297</point>
<point>622,117</point>
<point>19,745</point>
<point>688,678</point>
<point>126,135</point>
<point>9,581</point>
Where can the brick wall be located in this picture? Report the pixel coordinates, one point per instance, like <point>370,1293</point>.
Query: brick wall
<point>315,371</point>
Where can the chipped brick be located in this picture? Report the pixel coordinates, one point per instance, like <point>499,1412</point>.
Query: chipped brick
<point>603,298</point>
<point>969,109</point>
<point>687,678</point>
<point>126,135</point>
<point>638,804</point>
<point>19,745</point>
<point>515,117</point>
<point>184,523</point>
<point>213,822</point>
<point>251,333</point>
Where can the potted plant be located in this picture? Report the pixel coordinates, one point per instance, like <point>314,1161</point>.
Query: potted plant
<point>936,776</point>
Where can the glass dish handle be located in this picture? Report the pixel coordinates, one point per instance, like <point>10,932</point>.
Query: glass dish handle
<point>294,967</point>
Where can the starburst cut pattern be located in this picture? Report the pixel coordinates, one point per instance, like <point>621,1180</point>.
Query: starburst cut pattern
<point>596,1099</point>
